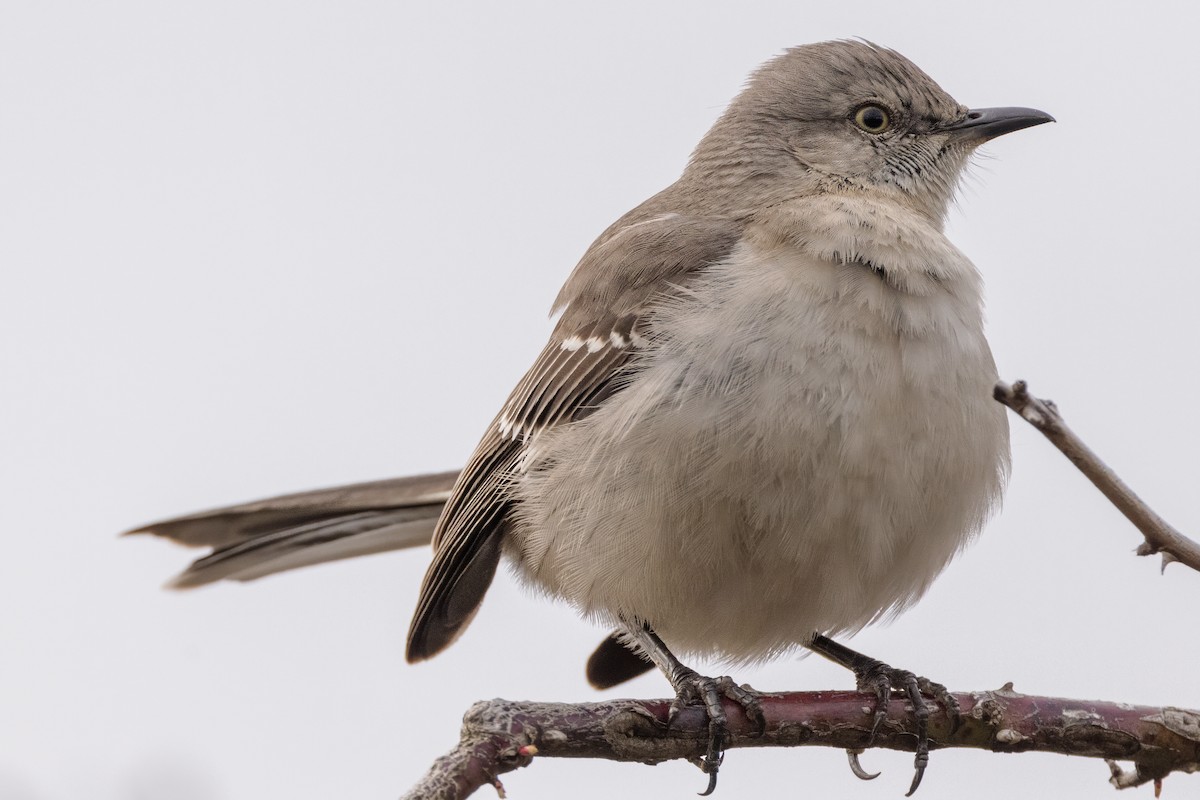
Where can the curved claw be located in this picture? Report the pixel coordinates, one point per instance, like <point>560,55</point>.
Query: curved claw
<point>921,712</point>
<point>880,679</point>
<point>692,689</point>
<point>916,781</point>
<point>857,768</point>
<point>716,753</point>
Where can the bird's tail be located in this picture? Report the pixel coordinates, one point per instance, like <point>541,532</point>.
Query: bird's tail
<point>255,539</point>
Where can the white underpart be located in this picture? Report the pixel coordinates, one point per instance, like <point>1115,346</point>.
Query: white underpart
<point>804,448</point>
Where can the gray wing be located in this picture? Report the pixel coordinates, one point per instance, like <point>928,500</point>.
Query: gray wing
<point>586,360</point>
<point>255,539</point>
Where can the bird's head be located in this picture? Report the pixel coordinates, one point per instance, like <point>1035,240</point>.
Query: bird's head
<point>847,116</point>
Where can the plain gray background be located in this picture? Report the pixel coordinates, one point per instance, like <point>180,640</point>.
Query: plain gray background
<point>254,247</point>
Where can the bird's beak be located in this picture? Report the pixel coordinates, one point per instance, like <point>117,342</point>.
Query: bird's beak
<point>982,124</point>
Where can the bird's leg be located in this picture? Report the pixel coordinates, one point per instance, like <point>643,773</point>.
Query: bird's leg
<point>880,679</point>
<point>691,688</point>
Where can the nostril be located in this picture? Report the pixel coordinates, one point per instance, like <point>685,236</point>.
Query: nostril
<point>975,115</point>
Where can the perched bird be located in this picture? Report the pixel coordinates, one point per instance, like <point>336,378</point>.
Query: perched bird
<point>763,418</point>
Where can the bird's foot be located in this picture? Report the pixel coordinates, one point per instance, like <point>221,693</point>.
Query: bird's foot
<point>881,680</point>
<point>691,689</point>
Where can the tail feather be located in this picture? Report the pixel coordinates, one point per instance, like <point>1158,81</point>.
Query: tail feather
<point>252,540</point>
<point>614,662</point>
<point>255,539</point>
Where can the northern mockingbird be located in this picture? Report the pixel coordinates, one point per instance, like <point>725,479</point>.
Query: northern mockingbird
<point>764,416</point>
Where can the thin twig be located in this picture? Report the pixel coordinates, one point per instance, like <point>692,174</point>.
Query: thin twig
<point>499,736</point>
<point>1160,537</point>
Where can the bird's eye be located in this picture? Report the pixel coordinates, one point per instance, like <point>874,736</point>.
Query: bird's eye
<point>872,119</point>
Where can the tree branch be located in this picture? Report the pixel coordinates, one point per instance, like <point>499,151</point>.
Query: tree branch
<point>1160,537</point>
<point>499,736</point>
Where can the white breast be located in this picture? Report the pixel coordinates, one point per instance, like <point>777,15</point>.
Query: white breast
<point>803,449</point>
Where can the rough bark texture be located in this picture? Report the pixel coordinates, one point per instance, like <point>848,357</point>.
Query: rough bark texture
<point>499,736</point>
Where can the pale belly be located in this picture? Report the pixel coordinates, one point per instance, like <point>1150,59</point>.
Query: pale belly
<point>807,468</point>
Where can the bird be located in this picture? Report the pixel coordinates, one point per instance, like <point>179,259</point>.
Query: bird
<point>763,418</point>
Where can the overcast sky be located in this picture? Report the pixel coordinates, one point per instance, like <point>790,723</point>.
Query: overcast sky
<point>255,247</point>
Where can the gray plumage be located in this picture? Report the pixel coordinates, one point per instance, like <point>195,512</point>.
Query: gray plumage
<point>261,538</point>
<point>765,409</point>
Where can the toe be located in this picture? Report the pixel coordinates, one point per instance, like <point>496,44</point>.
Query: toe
<point>748,699</point>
